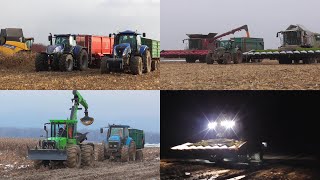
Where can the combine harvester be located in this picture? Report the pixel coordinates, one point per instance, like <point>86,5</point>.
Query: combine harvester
<point>68,52</point>
<point>223,148</point>
<point>65,144</point>
<point>297,45</point>
<point>121,142</point>
<point>12,41</point>
<point>132,53</point>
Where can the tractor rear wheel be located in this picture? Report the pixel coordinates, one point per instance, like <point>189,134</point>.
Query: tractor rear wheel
<point>41,62</point>
<point>104,69</point>
<point>73,156</point>
<point>125,154</point>
<point>55,62</point>
<point>98,152</point>
<point>132,151</point>
<point>66,62</point>
<point>209,58</point>
<point>139,155</point>
<point>87,155</point>
<point>136,65</point>
<point>37,164</point>
<point>83,60</point>
<point>147,62</point>
<point>238,57</point>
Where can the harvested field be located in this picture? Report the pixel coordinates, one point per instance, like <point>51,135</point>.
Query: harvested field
<point>268,75</point>
<point>13,165</point>
<point>21,75</point>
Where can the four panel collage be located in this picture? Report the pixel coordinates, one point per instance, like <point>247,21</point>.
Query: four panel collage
<point>159,89</point>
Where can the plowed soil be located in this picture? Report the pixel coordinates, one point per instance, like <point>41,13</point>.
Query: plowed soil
<point>268,75</point>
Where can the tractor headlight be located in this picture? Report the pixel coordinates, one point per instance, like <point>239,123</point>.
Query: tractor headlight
<point>126,51</point>
<point>212,125</point>
<point>228,124</point>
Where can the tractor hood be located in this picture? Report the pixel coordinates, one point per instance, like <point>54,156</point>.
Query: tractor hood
<point>51,49</point>
<point>114,138</point>
<point>122,50</point>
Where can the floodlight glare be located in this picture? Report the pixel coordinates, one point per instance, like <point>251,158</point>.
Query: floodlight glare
<point>228,124</point>
<point>212,125</point>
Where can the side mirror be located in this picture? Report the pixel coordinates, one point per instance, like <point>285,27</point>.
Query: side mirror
<point>101,130</point>
<point>3,40</point>
<point>143,34</point>
<point>277,34</point>
<point>50,38</point>
<point>74,37</point>
<point>110,35</point>
<point>45,127</point>
<point>182,41</point>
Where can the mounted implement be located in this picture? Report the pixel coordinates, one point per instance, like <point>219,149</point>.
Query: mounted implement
<point>65,145</point>
<point>122,142</point>
<point>297,45</point>
<point>132,53</point>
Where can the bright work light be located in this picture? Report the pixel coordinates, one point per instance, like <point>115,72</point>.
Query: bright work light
<point>212,125</point>
<point>228,124</point>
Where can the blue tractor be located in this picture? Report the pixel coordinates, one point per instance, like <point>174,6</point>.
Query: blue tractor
<point>122,143</point>
<point>129,55</point>
<point>62,55</point>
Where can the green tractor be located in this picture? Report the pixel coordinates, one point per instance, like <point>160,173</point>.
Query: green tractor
<point>122,143</point>
<point>65,144</point>
<point>225,52</point>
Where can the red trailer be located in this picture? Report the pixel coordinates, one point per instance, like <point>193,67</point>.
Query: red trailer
<point>98,47</point>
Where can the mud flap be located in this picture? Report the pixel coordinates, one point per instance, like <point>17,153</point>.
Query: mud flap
<point>47,154</point>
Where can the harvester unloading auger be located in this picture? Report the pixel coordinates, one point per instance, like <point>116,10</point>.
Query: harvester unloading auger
<point>65,145</point>
<point>297,44</point>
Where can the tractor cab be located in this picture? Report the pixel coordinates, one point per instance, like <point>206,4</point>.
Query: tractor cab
<point>63,39</point>
<point>116,135</point>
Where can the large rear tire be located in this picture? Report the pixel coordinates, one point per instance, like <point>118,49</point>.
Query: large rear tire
<point>98,152</point>
<point>125,154</point>
<point>132,151</point>
<point>87,155</point>
<point>83,60</point>
<point>73,156</point>
<point>104,69</point>
<point>147,62</point>
<point>139,155</point>
<point>41,62</point>
<point>209,58</point>
<point>136,65</point>
<point>66,62</point>
<point>55,63</point>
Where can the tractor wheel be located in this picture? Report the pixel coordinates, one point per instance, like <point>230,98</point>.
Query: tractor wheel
<point>104,69</point>
<point>37,164</point>
<point>132,151</point>
<point>105,150</point>
<point>98,152</point>
<point>73,156</point>
<point>296,61</point>
<point>87,155</point>
<point>147,62</point>
<point>83,60</point>
<point>154,65</point>
<point>139,155</point>
<point>66,62</point>
<point>227,58</point>
<point>238,57</point>
<point>203,59</point>
<point>190,60</point>
<point>125,154</point>
<point>41,62</point>
<point>55,63</point>
<point>136,65</point>
<point>209,58</point>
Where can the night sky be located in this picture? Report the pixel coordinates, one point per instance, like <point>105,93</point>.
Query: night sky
<point>287,120</point>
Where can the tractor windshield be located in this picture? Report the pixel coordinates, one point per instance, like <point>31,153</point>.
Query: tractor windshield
<point>131,39</point>
<point>116,132</point>
<point>58,130</point>
<point>292,38</point>
<point>62,40</point>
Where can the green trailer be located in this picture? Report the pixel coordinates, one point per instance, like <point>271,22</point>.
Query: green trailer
<point>247,44</point>
<point>138,137</point>
<point>154,47</point>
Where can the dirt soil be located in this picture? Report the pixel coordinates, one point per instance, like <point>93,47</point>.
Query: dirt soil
<point>14,165</point>
<point>268,75</point>
<point>172,169</point>
<point>21,75</point>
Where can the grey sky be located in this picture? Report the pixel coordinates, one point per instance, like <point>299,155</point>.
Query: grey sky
<point>139,109</point>
<point>99,17</point>
<point>264,18</point>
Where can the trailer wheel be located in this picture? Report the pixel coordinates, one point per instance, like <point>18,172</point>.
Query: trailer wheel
<point>139,155</point>
<point>125,154</point>
<point>83,60</point>
<point>87,155</point>
<point>41,62</point>
<point>238,57</point>
<point>98,152</point>
<point>154,65</point>
<point>55,62</point>
<point>136,65</point>
<point>66,62</point>
<point>73,156</point>
<point>132,151</point>
<point>104,69</point>
<point>227,58</point>
<point>147,62</point>
<point>209,58</point>
<point>37,164</point>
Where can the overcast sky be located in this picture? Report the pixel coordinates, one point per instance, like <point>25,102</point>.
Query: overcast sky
<point>100,17</point>
<point>264,18</point>
<point>139,109</point>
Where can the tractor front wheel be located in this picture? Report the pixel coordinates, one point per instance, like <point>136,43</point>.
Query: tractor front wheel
<point>238,57</point>
<point>87,155</point>
<point>66,62</point>
<point>132,151</point>
<point>37,164</point>
<point>136,65</point>
<point>83,60</point>
<point>125,154</point>
<point>73,156</point>
<point>209,58</point>
<point>139,155</point>
<point>147,62</point>
<point>98,152</point>
<point>104,69</point>
<point>41,62</point>
<point>227,58</point>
